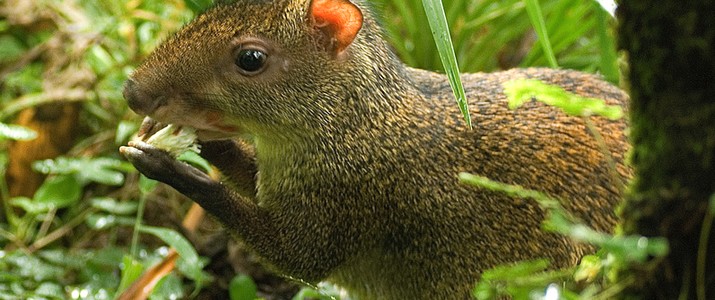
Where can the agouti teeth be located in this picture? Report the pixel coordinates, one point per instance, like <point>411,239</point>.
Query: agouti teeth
<point>177,130</point>
<point>147,128</point>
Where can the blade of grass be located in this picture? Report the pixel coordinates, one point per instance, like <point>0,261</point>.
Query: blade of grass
<point>608,62</point>
<point>440,30</point>
<point>490,33</point>
<point>537,20</point>
<point>561,37</point>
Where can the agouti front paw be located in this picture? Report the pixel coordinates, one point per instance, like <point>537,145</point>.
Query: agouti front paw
<point>160,165</point>
<point>148,159</point>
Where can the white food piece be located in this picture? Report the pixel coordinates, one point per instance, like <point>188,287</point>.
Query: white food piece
<point>175,140</point>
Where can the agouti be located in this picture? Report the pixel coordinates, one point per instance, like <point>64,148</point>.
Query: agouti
<point>341,163</point>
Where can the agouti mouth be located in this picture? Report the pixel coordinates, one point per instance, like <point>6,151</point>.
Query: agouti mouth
<point>205,131</point>
<point>225,128</point>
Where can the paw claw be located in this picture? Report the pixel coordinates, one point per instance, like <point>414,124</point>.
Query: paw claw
<point>129,150</point>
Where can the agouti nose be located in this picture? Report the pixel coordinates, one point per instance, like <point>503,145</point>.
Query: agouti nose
<point>139,100</point>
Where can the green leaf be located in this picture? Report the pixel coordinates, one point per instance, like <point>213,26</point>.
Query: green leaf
<point>16,132</point>
<point>544,200</point>
<point>146,34</point>
<point>632,248</point>
<point>102,221</point>
<point>518,280</point>
<point>195,272</point>
<point>169,287</point>
<point>23,81</point>
<point>49,289</point>
<point>198,6</point>
<point>589,267</point>
<point>520,91</point>
<point>30,268</point>
<point>113,206</point>
<point>635,248</point>
<point>59,191</point>
<point>608,62</point>
<point>242,287</point>
<point>100,60</point>
<point>524,268</point>
<point>440,30</point>
<point>63,257</point>
<point>323,291</point>
<point>60,165</point>
<point>537,20</point>
<point>102,170</point>
<point>10,47</point>
<point>186,251</point>
<point>131,270</point>
<point>196,160</point>
<point>146,185</point>
<point>30,206</point>
<point>308,293</point>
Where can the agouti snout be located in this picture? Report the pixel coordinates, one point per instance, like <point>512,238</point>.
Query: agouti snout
<point>343,162</point>
<point>140,103</point>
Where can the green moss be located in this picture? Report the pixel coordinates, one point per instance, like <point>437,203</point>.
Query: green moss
<point>671,57</point>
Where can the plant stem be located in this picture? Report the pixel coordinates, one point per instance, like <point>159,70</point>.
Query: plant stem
<point>137,224</point>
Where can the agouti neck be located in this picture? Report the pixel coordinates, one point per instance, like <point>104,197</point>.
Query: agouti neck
<point>377,111</point>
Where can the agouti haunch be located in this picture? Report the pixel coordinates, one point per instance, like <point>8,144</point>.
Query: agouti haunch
<point>341,163</point>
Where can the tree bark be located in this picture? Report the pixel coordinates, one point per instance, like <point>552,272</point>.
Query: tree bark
<point>671,55</point>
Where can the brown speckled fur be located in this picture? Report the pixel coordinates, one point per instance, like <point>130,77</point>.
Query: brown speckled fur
<point>357,156</point>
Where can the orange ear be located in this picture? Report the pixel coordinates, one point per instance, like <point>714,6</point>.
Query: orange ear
<point>338,20</point>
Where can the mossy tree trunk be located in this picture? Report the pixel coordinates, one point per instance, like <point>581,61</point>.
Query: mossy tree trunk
<point>671,54</point>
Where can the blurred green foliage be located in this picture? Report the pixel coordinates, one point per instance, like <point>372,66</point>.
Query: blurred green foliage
<point>66,241</point>
<point>492,35</point>
<point>69,239</point>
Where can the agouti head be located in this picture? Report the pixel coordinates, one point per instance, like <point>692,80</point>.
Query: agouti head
<point>276,67</point>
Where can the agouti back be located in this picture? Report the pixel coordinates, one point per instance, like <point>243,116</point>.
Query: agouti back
<point>341,163</point>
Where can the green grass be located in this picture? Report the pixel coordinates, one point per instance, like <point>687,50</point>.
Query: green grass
<point>587,20</point>
<point>491,35</point>
<point>440,31</point>
<point>71,237</point>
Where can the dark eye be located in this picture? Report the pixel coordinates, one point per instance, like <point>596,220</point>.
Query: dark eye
<point>251,61</point>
